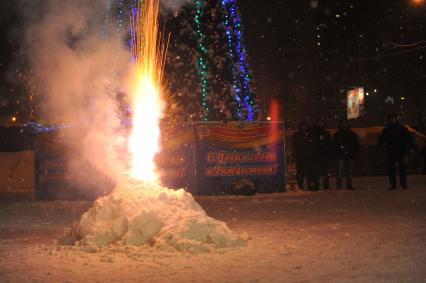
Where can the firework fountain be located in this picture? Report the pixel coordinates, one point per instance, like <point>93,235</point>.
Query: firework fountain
<point>148,53</point>
<point>140,211</point>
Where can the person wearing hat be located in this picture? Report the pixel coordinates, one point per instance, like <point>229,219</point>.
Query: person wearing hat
<point>301,153</point>
<point>346,146</point>
<point>319,143</point>
<point>398,143</point>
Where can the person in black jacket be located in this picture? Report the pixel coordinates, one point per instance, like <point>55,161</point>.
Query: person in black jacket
<point>319,144</point>
<point>398,142</point>
<point>346,146</point>
<point>301,153</point>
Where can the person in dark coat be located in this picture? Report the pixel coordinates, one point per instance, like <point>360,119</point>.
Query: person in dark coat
<point>346,147</point>
<point>301,153</point>
<point>319,144</point>
<point>398,142</point>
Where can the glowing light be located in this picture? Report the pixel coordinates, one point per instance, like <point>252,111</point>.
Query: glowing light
<point>268,118</point>
<point>147,89</point>
<point>13,119</point>
<point>201,61</point>
<point>237,53</point>
<point>418,2</point>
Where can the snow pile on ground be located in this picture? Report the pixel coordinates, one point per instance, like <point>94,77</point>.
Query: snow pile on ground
<point>148,214</point>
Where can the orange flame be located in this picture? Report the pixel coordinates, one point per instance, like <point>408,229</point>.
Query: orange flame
<point>146,98</point>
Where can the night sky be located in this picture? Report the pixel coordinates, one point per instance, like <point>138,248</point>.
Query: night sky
<point>306,54</point>
<point>312,52</point>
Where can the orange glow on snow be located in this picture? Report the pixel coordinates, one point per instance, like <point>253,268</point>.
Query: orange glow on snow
<point>146,96</point>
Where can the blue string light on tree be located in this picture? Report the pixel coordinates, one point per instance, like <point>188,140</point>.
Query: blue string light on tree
<point>201,61</point>
<point>237,53</point>
<point>134,15</point>
<point>231,55</point>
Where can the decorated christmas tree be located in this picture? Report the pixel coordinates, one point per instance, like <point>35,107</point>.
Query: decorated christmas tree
<point>207,66</point>
<point>181,70</point>
<point>206,70</point>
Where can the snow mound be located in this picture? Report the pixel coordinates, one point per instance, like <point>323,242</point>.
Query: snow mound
<point>147,214</point>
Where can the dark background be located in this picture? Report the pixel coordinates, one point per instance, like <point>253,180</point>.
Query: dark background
<point>308,53</point>
<point>305,54</point>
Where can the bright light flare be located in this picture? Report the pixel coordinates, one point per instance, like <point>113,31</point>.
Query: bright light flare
<point>146,97</point>
<point>418,2</point>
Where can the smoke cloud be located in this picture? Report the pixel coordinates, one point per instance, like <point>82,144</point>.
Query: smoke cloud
<point>80,68</point>
<point>171,6</point>
<point>79,72</point>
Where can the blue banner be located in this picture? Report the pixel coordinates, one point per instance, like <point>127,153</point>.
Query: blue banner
<point>206,158</point>
<point>176,160</point>
<point>239,158</point>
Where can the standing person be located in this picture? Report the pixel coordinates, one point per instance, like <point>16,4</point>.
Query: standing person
<point>320,144</point>
<point>346,146</point>
<point>398,142</point>
<point>300,153</point>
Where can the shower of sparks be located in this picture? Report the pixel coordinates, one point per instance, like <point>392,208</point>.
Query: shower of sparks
<point>148,53</point>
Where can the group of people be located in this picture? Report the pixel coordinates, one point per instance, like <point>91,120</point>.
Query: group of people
<point>314,149</point>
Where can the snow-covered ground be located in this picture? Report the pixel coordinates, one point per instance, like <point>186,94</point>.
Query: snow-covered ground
<point>367,235</point>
